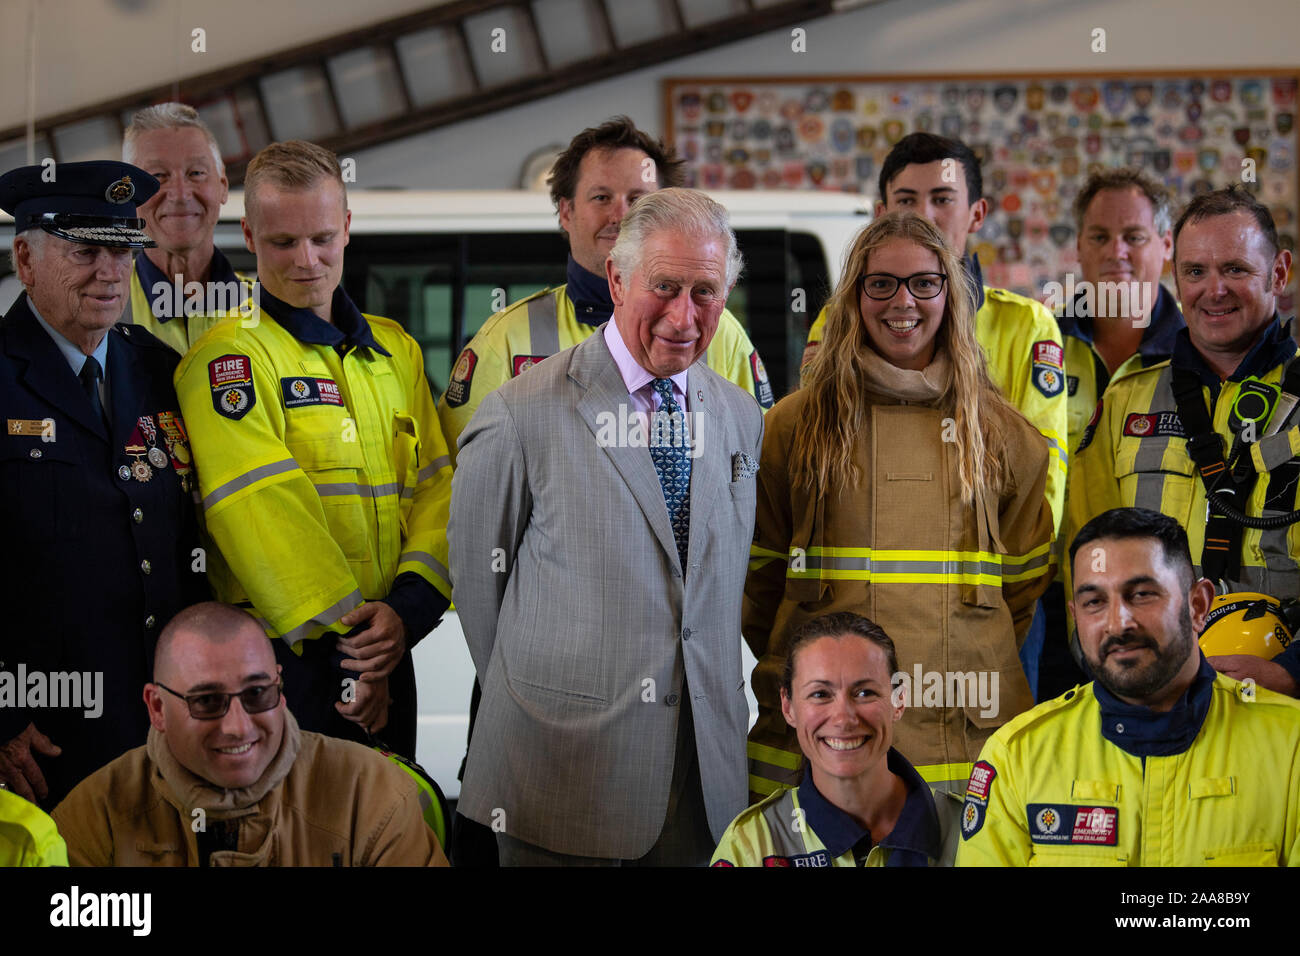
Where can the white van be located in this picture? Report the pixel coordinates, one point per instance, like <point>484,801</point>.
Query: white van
<point>438,262</point>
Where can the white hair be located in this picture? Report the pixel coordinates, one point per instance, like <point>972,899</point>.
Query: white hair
<point>686,211</point>
<point>168,116</point>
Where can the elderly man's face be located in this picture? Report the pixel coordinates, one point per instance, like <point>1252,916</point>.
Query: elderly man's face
<point>79,289</point>
<point>667,309</point>
<point>183,213</point>
<point>231,751</point>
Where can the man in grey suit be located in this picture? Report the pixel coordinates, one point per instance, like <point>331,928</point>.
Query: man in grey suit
<point>601,516</point>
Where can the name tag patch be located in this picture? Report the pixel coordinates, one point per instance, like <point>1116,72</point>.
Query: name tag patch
<point>522,363</point>
<point>1068,823</point>
<point>1154,425</point>
<point>310,391</point>
<point>820,858</point>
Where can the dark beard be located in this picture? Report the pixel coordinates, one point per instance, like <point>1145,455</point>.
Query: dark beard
<point>1142,683</point>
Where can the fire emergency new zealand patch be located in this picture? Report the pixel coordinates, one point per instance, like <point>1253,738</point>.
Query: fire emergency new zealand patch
<point>977,798</point>
<point>231,378</point>
<point>462,375</point>
<point>1049,368</point>
<point>762,385</point>
<point>1070,823</point>
<point>309,390</point>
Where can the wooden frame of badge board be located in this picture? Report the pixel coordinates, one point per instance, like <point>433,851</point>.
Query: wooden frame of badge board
<point>1044,255</point>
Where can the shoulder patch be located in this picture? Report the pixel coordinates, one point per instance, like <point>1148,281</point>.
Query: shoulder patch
<point>522,363</point>
<point>762,386</point>
<point>977,798</point>
<point>1048,371</point>
<point>462,376</point>
<point>231,379</point>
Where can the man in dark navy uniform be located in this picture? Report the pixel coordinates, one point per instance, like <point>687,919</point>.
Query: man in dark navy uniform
<point>96,482</point>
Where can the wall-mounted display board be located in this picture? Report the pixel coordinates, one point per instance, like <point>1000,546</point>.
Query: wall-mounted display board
<point>1037,138</point>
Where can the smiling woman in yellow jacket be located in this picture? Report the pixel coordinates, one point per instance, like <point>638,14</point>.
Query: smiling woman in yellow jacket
<point>898,483</point>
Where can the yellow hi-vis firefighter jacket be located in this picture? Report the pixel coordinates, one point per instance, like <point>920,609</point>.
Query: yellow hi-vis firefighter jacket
<point>1026,360</point>
<point>28,836</point>
<point>180,320</point>
<point>955,592</point>
<point>525,332</point>
<point>1054,788</point>
<point>1134,454</point>
<point>323,476</point>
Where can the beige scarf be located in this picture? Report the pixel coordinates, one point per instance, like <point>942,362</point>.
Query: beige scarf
<point>194,792</point>
<point>925,387</point>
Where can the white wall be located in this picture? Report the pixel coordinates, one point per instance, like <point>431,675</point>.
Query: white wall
<point>897,36</point>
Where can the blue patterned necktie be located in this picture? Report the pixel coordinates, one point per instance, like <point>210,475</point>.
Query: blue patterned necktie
<point>668,450</point>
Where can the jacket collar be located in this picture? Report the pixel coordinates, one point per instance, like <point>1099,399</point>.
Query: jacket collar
<point>589,294</point>
<point>47,372</point>
<point>1158,337</point>
<point>152,278</point>
<point>593,369</point>
<point>915,839</point>
<point>187,791</point>
<point>1275,347</point>
<point>349,328</point>
<point>1142,732</point>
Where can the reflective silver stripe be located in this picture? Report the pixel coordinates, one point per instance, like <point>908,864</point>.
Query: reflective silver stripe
<point>543,329</point>
<point>353,488</point>
<point>1012,565</point>
<point>324,619</point>
<point>246,479</point>
<point>432,468</point>
<point>428,560</point>
<point>1149,462</point>
<point>770,771</point>
<point>872,565</point>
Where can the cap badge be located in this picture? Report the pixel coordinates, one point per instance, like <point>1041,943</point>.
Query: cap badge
<point>121,191</point>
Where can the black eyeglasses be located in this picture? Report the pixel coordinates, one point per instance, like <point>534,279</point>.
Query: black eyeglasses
<point>214,704</point>
<point>922,285</point>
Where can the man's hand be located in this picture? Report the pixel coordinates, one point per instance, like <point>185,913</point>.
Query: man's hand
<point>1264,673</point>
<point>374,652</point>
<point>18,768</point>
<point>369,707</point>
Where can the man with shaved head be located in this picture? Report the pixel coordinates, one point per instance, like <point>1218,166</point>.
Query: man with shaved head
<point>240,784</point>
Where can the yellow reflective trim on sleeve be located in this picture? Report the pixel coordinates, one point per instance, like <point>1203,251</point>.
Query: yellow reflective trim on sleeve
<point>944,772</point>
<point>759,785</point>
<point>778,758</point>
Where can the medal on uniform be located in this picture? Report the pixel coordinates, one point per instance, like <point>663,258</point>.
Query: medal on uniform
<point>140,469</point>
<point>157,457</point>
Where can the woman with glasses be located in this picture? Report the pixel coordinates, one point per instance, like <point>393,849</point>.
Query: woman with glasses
<point>899,484</point>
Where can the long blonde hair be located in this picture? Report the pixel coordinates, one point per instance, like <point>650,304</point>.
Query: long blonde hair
<point>837,381</point>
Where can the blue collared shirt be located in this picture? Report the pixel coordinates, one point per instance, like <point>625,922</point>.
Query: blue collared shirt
<point>589,294</point>
<point>915,839</point>
<point>75,357</point>
<point>349,328</point>
<point>160,304</point>
<point>1143,732</point>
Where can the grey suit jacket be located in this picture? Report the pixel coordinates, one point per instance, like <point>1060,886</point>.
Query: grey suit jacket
<point>581,627</point>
